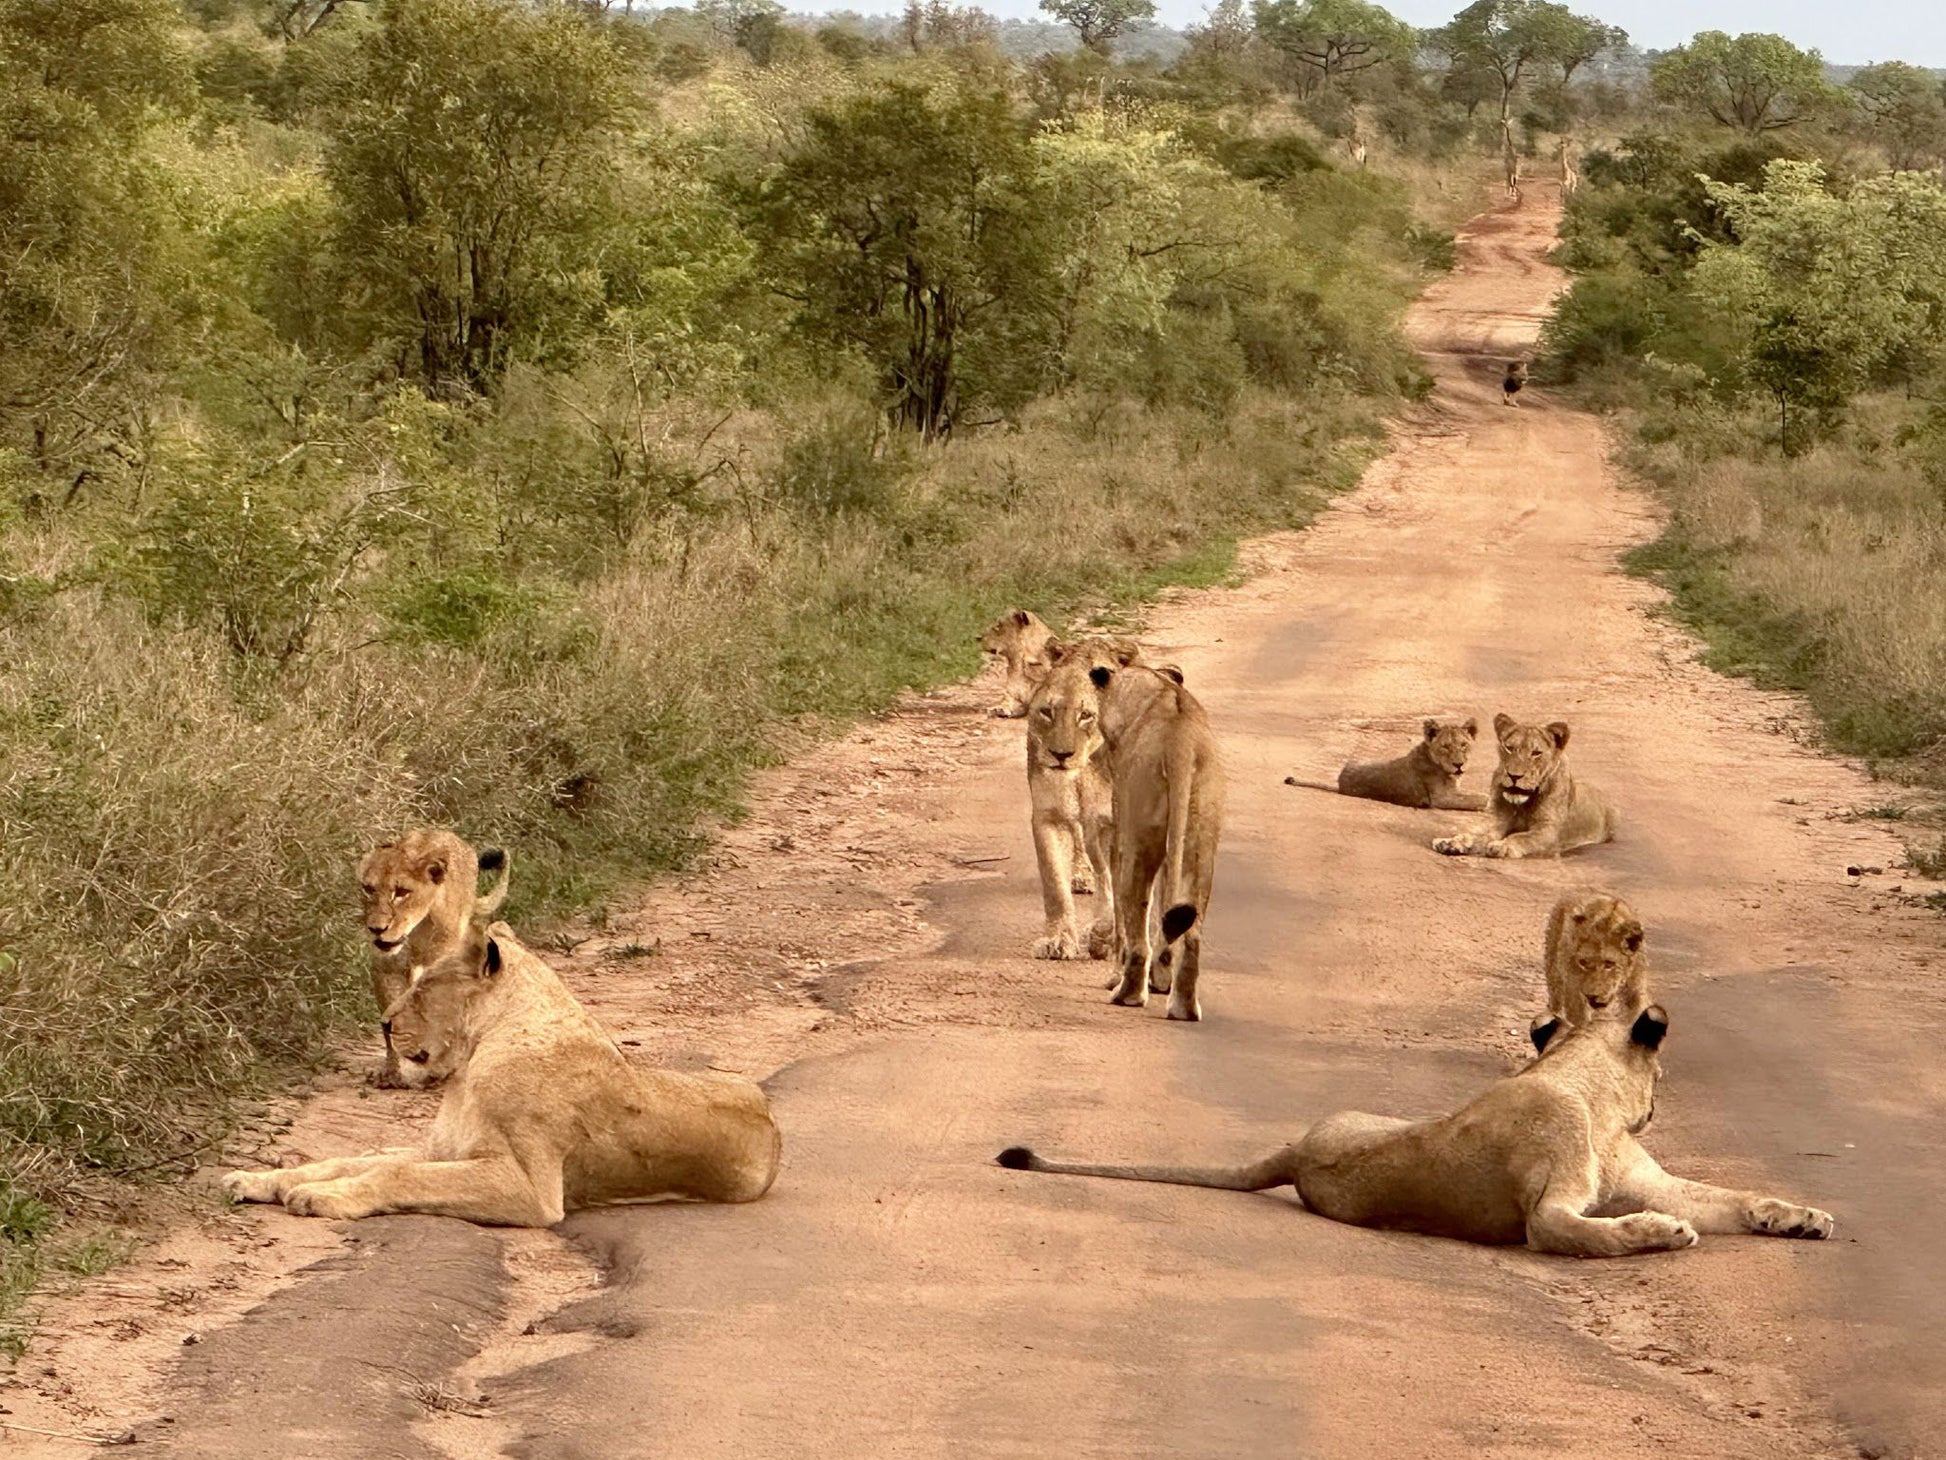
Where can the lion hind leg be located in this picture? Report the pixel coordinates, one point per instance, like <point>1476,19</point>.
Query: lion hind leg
<point>1559,1226</point>
<point>1135,878</point>
<point>1715,1210</point>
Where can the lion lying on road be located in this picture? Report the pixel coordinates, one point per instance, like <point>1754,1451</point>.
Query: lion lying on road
<point>1020,639</point>
<point>1547,1156</point>
<point>1168,800</point>
<point>541,1115</point>
<point>1539,809</point>
<point>1426,776</point>
<point>1595,965</point>
<point>420,899</point>
<point>1071,798</point>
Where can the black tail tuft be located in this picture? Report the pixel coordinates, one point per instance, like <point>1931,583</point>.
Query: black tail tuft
<point>492,859</point>
<point>1178,920</point>
<point>1016,1158</point>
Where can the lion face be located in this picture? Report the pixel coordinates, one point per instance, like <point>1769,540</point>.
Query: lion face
<point>430,1025</point>
<point>1600,957</point>
<point>1529,755</point>
<point>1064,715</point>
<point>1449,742</point>
<point>1021,640</point>
<point>401,882</point>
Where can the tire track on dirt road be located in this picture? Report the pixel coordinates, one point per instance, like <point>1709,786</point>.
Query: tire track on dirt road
<point>898,1295</point>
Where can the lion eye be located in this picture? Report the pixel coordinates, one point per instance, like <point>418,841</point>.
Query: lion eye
<point>401,892</point>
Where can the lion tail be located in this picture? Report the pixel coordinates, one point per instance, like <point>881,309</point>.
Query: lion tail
<point>493,859</point>
<point>1276,1169</point>
<point>1179,911</point>
<point>1331,786</point>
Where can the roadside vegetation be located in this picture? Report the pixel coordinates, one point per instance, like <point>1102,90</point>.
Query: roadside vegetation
<point>1760,292</point>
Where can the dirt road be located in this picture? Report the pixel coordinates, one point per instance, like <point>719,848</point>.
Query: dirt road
<point>864,936</point>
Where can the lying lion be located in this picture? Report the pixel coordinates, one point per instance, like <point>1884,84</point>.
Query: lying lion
<point>1539,809</point>
<point>420,899</point>
<point>1425,777</point>
<point>1070,796</point>
<point>1547,1156</point>
<point>1595,965</point>
<point>541,1115</point>
<point>1021,641</point>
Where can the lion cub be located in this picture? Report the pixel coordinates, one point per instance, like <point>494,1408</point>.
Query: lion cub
<point>1425,777</point>
<point>1072,806</point>
<point>1168,808</point>
<point>1020,639</point>
<point>541,1114</point>
<point>1539,809</point>
<point>420,898</point>
<point>1547,1156</point>
<point>1595,965</point>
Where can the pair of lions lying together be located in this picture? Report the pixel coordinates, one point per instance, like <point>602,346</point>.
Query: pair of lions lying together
<point>1539,808</point>
<point>1548,1156</point>
<point>1126,796</point>
<point>541,1114</point>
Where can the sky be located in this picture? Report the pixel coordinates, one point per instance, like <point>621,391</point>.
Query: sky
<point>1852,33</point>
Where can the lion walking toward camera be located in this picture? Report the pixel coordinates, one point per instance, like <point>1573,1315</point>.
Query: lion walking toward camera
<point>541,1114</point>
<point>1548,1157</point>
<point>1168,803</point>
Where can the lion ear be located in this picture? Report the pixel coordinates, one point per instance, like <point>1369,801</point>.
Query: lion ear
<point>492,964</point>
<point>1543,1029</point>
<point>1502,723</point>
<point>1100,675</point>
<point>1558,733</point>
<point>1023,617</point>
<point>435,871</point>
<point>1126,651</point>
<point>1432,728</point>
<point>1057,652</point>
<point>1472,728</point>
<point>1170,672</point>
<point>1632,936</point>
<point>1651,1025</point>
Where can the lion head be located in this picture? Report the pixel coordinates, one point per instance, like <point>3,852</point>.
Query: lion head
<point>1596,957</point>
<point>403,880</point>
<point>1634,1044</point>
<point>1064,714</point>
<point>1021,640</point>
<point>1449,742</point>
<point>431,1025</point>
<point>1529,757</point>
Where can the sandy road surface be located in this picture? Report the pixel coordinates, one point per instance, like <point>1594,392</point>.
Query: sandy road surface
<point>863,937</point>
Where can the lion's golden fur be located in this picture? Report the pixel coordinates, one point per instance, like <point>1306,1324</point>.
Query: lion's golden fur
<point>1539,808</point>
<point>1426,776</point>
<point>1020,640</point>
<point>541,1113</point>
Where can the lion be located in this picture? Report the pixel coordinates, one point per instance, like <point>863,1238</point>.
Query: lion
<point>420,898</point>
<point>1020,639</point>
<point>1539,809</point>
<point>1168,808</point>
<point>1071,798</point>
<point>1547,1156</point>
<point>1595,965</point>
<point>1425,777</point>
<point>541,1114</point>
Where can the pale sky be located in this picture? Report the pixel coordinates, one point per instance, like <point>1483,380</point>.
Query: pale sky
<point>1852,33</point>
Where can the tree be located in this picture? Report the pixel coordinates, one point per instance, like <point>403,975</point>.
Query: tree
<point>469,152</point>
<point>905,225</point>
<point>1099,22</point>
<point>1333,37</point>
<point>1503,41</point>
<point>1754,82</point>
<point>1586,39</point>
<point>1905,110</point>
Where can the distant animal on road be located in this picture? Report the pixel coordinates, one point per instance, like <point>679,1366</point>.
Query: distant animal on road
<point>1539,809</point>
<point>1426,776</point>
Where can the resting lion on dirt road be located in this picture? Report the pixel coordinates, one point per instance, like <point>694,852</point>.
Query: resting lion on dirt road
<point>1071,798</point>
<point>1168,805</point>
<point>541,1114</point>
<point>1426,776</point>
<point>420,899</point>
<point>1021,641</point>
<point>1539,809</point>
<point>1595,965</point>
<point>1547,1157</point>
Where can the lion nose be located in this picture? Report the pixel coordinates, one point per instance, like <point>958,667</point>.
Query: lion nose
<point>1597,1001</point>
<point>1060,756</point>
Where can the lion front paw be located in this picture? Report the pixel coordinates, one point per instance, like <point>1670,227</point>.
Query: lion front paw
<point>324,1199</point>
<point>252,1186</point>
<point>1132,992</point>
<point>1007,712</point>
<point>1060,945</point>
<point>1101,940</point>
<point>1453,846</point>
<point>1776,1218</point>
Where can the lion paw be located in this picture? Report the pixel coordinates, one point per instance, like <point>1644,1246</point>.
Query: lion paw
<point>1131,994</point>
<point>320,1199</point>
<point>251,1185</point>
<point>1452,846</point>
<point>1101,943</point>
<point>1189,1011</point>
<point>1007,712</point>
<point>1062,945</point>
<point>1658,1232</point>
<point>1161,975</point>
<point>1776,1218</point>
<point>387,1077</point>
